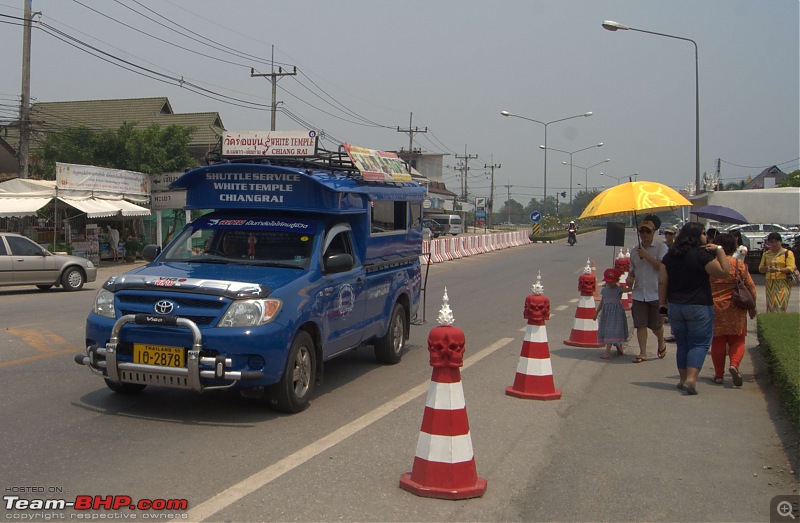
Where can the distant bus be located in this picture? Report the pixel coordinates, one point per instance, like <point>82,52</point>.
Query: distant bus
<point>450,222</point>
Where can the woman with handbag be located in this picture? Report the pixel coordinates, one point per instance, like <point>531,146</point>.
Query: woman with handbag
<point>684,293</point>
<point>730,313</point>
<point>778,264</point>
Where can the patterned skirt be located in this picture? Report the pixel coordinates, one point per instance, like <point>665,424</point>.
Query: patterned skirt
<point>778,291</point>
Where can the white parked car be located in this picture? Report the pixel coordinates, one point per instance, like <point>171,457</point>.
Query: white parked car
<point>753,234</point>
<point>24,262</point>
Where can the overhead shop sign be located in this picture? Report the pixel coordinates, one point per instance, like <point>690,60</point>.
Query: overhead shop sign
<point>269,143</point>
<point>90,178</point>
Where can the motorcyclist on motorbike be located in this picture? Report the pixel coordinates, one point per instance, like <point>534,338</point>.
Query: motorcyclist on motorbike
<point>572,229</point>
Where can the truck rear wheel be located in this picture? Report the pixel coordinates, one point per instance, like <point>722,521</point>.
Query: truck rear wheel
<point>124,388</point>
<point>294,391</point>
<point>389,348</point>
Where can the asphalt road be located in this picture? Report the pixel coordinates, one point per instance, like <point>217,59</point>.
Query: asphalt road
<point>621,445</point>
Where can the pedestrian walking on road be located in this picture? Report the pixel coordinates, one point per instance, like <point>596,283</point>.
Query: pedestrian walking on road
<point>730,321</point>
<point>777,263</point>
<point>643,279</point>
<point>613,326</point>
<point>684,291</point>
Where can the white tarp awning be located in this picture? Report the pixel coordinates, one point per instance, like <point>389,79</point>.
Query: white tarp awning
<point>23,197</point>
<point>19,207</point>
<point>130,209</point>
<point>93,208</point>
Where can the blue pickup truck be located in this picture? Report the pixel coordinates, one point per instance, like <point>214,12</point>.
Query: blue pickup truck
<point>294,265</point>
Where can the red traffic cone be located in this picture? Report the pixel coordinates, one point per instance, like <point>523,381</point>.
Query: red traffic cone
<point>444,464</point>
<point>584,327</point>
<point>534,377</point>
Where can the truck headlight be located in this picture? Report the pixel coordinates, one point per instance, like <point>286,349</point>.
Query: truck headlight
<point>249,313</point>
<point>104,304</point>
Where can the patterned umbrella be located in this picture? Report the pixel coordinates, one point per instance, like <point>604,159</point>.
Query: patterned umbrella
<point>632,197</point>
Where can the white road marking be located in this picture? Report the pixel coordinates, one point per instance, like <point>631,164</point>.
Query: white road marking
<point>259,479</point>
<point>561,307</point>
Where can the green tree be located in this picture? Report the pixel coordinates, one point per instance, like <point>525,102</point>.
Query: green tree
<point>150,150</point>
<point>792,179</point>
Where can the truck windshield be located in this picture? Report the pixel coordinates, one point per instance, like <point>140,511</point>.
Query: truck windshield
<point>260,246</point>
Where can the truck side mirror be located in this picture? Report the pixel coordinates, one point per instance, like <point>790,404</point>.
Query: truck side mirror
<point>338,263</point>
<point>150,252</point>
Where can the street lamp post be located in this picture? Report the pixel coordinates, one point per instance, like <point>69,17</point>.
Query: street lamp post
<point>586,170</point>
<point>610,25</point>
<point>545,124</point>
<point>570,161</point>
<point>631,177</point>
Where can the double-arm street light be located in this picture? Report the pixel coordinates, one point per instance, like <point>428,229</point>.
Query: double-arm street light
<point>631,177</point>
<point>586,170</point>
<point>545,124</point>
<point>610,25</point>
<point>570,161</point>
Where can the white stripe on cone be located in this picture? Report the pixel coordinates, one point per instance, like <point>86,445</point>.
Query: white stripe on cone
<point>444,449</point>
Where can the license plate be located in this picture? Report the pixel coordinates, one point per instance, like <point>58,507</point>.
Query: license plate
<point>158,355</point>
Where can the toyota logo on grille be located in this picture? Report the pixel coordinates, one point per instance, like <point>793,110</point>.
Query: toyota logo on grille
<point>164,307</point>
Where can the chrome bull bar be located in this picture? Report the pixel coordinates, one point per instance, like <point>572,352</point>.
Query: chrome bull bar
<point>176,377</point>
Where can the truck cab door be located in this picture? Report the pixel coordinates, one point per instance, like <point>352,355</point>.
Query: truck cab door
<point>343,294</point>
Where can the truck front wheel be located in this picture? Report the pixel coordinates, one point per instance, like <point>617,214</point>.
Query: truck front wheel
<point>389,348</point>
<point>294,391</point>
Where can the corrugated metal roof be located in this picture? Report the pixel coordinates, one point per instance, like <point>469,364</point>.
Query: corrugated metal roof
<point>100,115</point>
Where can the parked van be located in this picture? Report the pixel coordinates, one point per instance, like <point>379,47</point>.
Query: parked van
<point>451,222</point>
<point>299,262</point>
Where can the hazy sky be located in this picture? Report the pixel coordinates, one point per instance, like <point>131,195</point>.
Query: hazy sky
<point>364,65</point>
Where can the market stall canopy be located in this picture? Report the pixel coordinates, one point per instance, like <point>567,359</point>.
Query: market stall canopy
<point>21,197</point>
<point>19,207</point>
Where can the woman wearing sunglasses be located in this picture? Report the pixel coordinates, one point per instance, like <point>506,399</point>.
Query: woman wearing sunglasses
<point>684,287</point>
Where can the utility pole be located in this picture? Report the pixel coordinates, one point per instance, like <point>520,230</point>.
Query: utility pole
<point>465,192</point>
<point>25,101</point>
<point>508,202</point>
<point>411,131</point>
<point>491,185</point>
<point>274,76</point>
<point>466,158</point>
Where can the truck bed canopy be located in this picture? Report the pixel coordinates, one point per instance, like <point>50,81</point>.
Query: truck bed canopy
<point>267,186</point>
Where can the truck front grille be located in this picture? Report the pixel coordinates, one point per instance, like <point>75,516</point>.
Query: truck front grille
<point>202,310</point>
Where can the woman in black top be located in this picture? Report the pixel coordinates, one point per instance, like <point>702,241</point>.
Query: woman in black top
<point>683,285</point>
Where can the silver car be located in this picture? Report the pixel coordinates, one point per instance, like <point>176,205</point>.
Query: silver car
<point>23,262</point>
<point>753,234</point>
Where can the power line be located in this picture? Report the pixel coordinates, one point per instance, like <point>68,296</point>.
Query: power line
<point>758,167</point>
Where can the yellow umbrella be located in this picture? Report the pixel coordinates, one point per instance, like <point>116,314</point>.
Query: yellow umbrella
<point>633,197</point>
